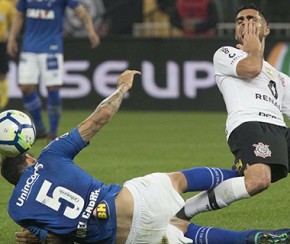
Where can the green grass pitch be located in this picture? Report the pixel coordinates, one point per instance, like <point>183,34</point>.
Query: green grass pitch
<point>137,143</point>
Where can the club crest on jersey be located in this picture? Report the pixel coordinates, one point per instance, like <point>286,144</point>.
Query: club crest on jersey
<point>273,88</point>
<point>262,150</point>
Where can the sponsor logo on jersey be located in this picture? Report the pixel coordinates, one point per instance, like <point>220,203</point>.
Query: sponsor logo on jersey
<point>82,225</point>
<point>269,99</point>
<point>262,150</point>
<point>269,115</point>
<point>40,13</point>
<point>25,191</point>
<point>89,209</point>
<point>102,210</point>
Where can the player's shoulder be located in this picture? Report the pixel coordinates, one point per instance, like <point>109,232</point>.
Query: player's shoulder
<point>282,76</point>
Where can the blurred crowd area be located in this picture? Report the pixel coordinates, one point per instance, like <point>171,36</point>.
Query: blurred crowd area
<point>155,18</point>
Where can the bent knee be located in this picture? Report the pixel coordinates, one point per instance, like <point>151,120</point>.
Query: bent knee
<point>257,178</point>
<point>179,181</point>
<point>27,89</point>
<point>257,185</point>
<point>180,224</point>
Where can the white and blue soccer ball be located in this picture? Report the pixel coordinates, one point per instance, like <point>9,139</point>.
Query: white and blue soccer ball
<point>17,133</point>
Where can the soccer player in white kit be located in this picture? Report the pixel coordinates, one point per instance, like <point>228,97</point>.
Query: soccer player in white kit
<point>256,97</point>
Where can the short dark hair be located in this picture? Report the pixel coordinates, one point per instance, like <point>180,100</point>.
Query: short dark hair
<point>252,6</point>
<point>13,167</point>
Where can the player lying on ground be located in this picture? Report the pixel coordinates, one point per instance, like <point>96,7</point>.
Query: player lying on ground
<point>54,198</point>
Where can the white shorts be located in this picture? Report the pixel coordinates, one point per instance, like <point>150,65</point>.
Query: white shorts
<point>34,67</point>
<point>155,203</point>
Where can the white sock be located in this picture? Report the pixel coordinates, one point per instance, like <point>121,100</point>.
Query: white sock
<point>230,191</point>
<point>222,196</point>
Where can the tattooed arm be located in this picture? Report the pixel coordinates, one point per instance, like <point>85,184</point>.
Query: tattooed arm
<point>108,107</point>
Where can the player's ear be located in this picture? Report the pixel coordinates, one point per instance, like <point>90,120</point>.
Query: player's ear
<point>266,30</point>
<point>29,159</point>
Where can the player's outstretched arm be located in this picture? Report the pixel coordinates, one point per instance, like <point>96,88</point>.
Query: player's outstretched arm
<point>108,107</point>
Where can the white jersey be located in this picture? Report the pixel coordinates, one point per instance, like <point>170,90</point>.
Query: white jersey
<point>264,98</point>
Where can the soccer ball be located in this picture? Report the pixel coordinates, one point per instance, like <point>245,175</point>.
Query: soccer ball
<point>17,133</point>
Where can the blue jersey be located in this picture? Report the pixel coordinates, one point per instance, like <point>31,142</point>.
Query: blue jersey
<point>44,24</point>
<point>58,196</point>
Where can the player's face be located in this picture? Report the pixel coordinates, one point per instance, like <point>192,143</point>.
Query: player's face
<point>243,19</point>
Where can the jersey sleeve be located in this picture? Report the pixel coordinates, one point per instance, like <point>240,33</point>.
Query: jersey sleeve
<point>226,59</point>
<point>67,145</point>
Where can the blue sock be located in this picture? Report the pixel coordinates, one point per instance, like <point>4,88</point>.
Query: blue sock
<point>32,104</point>
<point>54,108</point>
<point>205,178</point>
<point>201,235</point>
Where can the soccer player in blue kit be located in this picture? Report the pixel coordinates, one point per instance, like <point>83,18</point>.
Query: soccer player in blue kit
<point>54,199</point>
<point>41,55</point>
